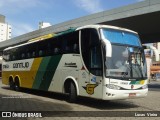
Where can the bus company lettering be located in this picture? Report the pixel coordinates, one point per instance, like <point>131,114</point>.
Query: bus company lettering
<point>21,65</point>
<point>70,64</point>
<point>5,66</point>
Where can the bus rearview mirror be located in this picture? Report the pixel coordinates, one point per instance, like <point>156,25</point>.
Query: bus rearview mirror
<point>108,50</point>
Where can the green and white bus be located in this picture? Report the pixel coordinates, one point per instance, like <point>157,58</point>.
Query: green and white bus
<point>96,61</point>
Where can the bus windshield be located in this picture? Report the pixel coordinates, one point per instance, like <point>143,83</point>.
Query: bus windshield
<point>127,60</point>
<point>121,37</point>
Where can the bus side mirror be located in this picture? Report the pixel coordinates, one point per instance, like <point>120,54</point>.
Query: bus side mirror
<point>108,50</point>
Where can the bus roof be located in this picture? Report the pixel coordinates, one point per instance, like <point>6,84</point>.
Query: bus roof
<point>44,37</point>
<point>106,26</point>
<point>68,31</point>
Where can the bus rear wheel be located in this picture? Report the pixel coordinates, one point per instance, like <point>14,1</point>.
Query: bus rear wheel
<point>72,93</point>
<point>17,85</point>
<point>11,84</point>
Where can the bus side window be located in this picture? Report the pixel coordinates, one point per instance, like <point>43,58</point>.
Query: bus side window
<point>74,42</point>
<point>41,53</point>
<point>13,57</point>
<point>50,46</point>
<point>49,49</point>
<point>75,48</point>
<point>42,48</point>
<point>28,55</point>
<point>67,49</point>
<point>64,46</point>
<point>91,51</point>
<point>70,43</point>
<point>23,56</point>
<point>56,50</point>
<point>33,54</point>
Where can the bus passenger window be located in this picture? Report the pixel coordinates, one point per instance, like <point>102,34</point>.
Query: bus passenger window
<point>67,49</point>
<point>33,54</point>
<point>13,57</point>
<point>41,53</point>
<point>75,48</point>
<point>28,55</point>
<point>23,55</point>
<point>56,50</point>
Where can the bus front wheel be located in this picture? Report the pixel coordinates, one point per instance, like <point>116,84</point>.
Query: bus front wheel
<point>72,93</point>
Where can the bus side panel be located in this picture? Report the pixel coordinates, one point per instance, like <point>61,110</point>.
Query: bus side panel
<point>26,77</point>
<point>5,77</point>
<point>47,71</point>
<point>68,66</point>
<point>41,72</point>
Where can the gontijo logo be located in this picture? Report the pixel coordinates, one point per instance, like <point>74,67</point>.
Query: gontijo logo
<point>90,88</point>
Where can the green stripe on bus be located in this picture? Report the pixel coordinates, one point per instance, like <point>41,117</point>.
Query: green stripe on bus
<point>134,82</point>
<point>40,73</point>
<point>49,73</point>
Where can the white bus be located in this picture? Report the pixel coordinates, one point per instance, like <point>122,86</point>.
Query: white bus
<point>96,61</point>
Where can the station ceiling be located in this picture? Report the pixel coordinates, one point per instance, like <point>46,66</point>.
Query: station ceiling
<point>147,26</point>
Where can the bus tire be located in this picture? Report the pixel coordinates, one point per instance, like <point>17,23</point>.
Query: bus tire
<point>11,84</point>
<point>72,93</point>
<point>17,85</point>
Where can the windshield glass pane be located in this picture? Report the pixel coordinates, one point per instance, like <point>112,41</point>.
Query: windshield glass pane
<point>126,63</point>
<point>122,37</point>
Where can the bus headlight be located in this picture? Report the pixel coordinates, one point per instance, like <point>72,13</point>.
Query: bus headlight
<point>111,86</point>
<point>145,86</point>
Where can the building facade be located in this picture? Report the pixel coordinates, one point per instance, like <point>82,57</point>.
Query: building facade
<point>5,34</point>
<point>5,29</point>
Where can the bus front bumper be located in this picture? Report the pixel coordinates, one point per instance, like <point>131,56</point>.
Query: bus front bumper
<point>111,94</point>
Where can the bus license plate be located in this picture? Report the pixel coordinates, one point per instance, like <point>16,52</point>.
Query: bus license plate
<point>132,94</point>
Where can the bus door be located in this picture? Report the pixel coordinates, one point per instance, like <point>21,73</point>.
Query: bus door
<point>92,58</point>
<point>95,75</point>
<point>91,81</point>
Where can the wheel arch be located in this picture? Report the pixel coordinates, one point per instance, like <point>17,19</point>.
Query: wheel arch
<point>17,78</point>
<point>67,82</point>
<point>10,78</point>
